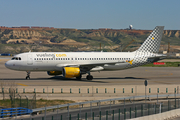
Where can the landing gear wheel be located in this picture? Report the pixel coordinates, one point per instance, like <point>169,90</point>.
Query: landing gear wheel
<point>79,77</point>
<point>28,75</point>
<point>89,77</point>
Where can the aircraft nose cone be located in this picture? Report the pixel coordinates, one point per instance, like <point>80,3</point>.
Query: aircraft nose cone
<point>7,64</point>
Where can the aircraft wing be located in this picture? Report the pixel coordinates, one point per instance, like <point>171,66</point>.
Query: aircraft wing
<point>89,66</point>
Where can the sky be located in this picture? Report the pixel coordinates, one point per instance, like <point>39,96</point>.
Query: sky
<point>91,14</point>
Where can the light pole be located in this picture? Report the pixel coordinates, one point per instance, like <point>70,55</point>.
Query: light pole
<point>145,83</point>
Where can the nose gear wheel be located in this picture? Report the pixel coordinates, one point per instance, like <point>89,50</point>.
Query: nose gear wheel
<point>28,75</point>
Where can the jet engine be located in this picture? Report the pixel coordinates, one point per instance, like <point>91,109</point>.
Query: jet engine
<point>54,72</point>
<point>69,72</point>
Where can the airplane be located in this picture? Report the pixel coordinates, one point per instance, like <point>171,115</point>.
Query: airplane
<point>75,64</point>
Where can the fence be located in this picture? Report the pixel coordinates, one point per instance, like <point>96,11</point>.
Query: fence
<point>90,90</point>
<point>10,112</point>
<point>110,109</point>
<point>20,100</point>
<point>113,109</point>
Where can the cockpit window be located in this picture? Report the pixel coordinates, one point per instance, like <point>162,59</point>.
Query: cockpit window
<point>16,58</point>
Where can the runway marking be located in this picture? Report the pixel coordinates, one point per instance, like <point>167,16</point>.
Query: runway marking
<point>169,74</point>
<point>21,84</point>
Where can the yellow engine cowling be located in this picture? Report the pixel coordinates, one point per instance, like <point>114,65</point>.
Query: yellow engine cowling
<point>69,72</point>
<point>54,72</point>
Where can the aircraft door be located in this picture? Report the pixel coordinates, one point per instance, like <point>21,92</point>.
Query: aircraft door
<point>29,60</point>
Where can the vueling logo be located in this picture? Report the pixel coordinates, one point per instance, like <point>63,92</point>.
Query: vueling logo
<point>51,55</point>
<point>61,55</point>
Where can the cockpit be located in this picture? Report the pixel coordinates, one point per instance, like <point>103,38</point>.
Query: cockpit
<point>16,58</point>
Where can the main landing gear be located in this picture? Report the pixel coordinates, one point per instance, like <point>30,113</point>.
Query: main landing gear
<point>79,77</point>
<point>28,75</point>
<point>89,76</point>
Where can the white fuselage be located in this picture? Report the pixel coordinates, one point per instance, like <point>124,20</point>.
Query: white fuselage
<point>55,61</point>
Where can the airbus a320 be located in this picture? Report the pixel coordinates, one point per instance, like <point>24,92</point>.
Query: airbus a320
<point>74,64</point>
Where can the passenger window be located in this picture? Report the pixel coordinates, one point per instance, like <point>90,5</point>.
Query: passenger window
<point>19,58</point>
<point>51,58</point>
<point>75,58</point>
<point>42,58</point>
<point>56,58</point>
<point>34,58</point>
<point>89,58</point>
<point>63,58</point>
<point>39,58</point>
<point>68,58</point>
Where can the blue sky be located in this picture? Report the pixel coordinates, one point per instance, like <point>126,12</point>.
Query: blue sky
<point>91,14</point>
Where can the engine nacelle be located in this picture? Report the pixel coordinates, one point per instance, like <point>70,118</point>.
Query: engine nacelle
<point>69,72</point>
<point>54,72</point>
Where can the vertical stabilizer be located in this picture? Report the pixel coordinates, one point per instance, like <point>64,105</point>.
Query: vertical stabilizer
<point>152,43</point>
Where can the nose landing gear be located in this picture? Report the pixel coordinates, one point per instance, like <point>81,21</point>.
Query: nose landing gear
<point>28,75</point>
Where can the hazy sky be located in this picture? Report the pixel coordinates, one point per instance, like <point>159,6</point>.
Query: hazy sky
<point>91,14</point>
